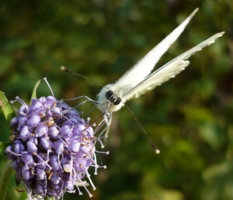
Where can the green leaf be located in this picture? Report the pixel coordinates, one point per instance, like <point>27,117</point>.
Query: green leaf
<point>3,146</point>
<point>4,179</point>
<point>23,196</point>
<point>34,91</point>
<point>7,108</point>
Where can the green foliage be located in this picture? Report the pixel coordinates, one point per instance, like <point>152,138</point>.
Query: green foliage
<point>189,118</point>
<point>34,91</point>
<point>6,107</point>
<point>8,114</point>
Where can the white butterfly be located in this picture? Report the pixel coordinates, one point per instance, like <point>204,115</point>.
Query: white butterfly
<point>138,79</point>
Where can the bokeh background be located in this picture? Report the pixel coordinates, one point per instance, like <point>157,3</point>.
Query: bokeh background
<point>190,118</point>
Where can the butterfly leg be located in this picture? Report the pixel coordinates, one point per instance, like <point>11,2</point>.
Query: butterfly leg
<point>108,121</point>
<point>105,123</point>
<point>87,100</point>
<point>79,97</point>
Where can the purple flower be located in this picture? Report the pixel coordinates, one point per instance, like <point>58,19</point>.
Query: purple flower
<point>52,148</point>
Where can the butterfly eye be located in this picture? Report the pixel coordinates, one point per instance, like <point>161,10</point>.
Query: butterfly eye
<point>117,101</point>
<point>108,94</point>
<point>112,97</point>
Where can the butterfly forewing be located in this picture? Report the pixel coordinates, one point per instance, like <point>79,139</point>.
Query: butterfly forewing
<point>144,67</point>
<point>167,71</point>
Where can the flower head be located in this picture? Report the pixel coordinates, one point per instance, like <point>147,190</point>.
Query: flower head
<point>52,148</point>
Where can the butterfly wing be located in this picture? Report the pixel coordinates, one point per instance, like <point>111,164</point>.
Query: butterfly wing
<point>169,70</point>
<point>144,67</point>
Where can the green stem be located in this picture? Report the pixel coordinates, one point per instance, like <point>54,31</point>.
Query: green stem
<point>4,179</point>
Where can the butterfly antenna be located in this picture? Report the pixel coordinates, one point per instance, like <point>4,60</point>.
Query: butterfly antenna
<point>79,75</point>
<point>63,68</point>
<point>157,151</point>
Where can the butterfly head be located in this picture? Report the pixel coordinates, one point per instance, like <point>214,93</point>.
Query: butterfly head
<point>109,100</point>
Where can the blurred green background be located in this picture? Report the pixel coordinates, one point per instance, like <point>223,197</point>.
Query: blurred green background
<point>189,118</point>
